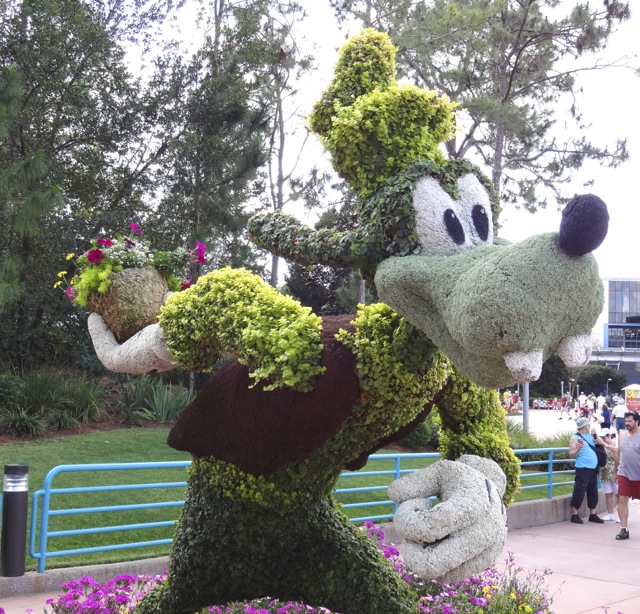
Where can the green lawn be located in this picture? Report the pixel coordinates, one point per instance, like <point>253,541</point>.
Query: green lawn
<point>149,444</point>
<point>117,446</point>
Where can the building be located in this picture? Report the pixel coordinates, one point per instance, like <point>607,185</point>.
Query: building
<point>617,332</point>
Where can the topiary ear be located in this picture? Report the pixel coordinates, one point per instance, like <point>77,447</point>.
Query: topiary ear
<point>373,127</point>
<point>365,63</point>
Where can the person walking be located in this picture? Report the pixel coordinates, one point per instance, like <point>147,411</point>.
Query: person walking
<point>564,407</point>
<point>606,418</point>
<point>619,412</point>
<point>582,447</point>
<point>628,469</point>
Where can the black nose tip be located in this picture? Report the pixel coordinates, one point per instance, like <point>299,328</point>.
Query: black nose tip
<point>584,225</point>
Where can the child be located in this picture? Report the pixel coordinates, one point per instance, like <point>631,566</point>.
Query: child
<point>607,475</point>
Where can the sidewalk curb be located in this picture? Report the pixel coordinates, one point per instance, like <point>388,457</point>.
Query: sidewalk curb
<point>49,581</point>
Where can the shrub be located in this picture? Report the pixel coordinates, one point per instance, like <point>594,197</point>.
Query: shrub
<point>166,403</point>
<point>147,400</point>
<point>11,390</point>
<point>81,398</point>
<point>425,435</point>
<point>59,419</point>
<point>22,423</point>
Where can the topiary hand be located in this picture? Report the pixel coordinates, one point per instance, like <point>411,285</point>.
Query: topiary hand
<point>146,351</point>
<point>465,532</point>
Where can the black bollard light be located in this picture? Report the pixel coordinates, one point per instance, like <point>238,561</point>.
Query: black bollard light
<point>15,496</point>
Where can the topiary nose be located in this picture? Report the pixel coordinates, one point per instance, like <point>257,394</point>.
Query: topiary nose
<point>584,225</point>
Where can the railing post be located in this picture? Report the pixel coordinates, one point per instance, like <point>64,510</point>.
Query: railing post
<point>397,463</point>
<point>550,477</point>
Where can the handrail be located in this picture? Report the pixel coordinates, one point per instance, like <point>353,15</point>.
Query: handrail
<point>44,495</point>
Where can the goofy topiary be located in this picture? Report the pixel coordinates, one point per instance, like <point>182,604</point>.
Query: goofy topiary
<point>306,397</point>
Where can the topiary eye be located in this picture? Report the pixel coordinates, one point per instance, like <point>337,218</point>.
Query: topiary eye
<point>481,222</point>
<point>454,227</point>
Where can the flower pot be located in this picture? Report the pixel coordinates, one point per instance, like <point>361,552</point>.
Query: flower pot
<point>132,301</point>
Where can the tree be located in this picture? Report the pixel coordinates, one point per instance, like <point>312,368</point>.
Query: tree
<point>511,64</point>
<point>76,128</point>
<point>211,166</point>
<point>285,68</point>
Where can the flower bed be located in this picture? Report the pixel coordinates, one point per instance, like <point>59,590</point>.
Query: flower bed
<point>492,592</point>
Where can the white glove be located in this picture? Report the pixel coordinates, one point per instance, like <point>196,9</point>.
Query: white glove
<point>146,351</point>
<point>465,532</point>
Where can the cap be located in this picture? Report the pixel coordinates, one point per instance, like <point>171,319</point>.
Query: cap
<point>604,432</point>
<point>582,422</point>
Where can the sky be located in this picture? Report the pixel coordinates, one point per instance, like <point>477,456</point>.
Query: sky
<point>609,102</point>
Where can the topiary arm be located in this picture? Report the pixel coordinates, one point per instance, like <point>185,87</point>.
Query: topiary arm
<point>285,236</point>
<point>473,422</point>
<point>234,310</point>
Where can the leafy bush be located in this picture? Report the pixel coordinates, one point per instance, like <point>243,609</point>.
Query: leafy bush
<point>148,400</point>
<point>22,423</point>
<point>425,435</point>
<point>166,403</point>
<point>11,390</point>
<point>59,419</point>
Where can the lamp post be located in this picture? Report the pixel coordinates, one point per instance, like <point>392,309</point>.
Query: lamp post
<point>608,386</point>
<point>561,389</point>
<point>571,387</point>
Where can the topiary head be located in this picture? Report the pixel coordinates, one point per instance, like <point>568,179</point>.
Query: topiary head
<point>372,126</point>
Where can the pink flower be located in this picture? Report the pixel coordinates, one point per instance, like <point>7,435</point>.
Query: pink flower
<point>105,242</point>
<point>95,256</point>
<point>201,248</point>
<point>71,294</point>
<point>187,283</point>
<point>135,228</point>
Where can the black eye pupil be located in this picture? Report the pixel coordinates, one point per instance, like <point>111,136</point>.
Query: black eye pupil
<point>454,227</point>
<point>481,222</point>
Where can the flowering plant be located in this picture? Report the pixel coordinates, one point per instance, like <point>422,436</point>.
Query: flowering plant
<point>94,268</point>
<point>492,592</point>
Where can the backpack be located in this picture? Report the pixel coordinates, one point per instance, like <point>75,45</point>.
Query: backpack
<point>601,453</point>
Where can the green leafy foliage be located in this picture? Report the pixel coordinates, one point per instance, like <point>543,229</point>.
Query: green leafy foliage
<point>21,423</point>
<point>232,309</point>
<point>372,126</point>
<point>325,559</point>
<point>43,400</point>
<point>425,435</point>
<point>145,399</point>
<point>386,223</point>
<point>11,390</point>
<point>512,67</point>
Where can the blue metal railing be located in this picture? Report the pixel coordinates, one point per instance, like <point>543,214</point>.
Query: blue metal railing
<point>44,495</point>
<point>41,555</point>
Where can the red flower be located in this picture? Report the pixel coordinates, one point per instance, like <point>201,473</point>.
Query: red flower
<point>105,242</point>
<point>95,256</point>
<point>186,284</point>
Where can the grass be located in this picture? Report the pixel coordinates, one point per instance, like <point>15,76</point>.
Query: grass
<point>120,445</point>
<point>149,444</point>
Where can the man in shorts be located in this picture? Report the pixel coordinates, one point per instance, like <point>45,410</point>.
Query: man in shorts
<point>618,413</point>
<point>628,469</point>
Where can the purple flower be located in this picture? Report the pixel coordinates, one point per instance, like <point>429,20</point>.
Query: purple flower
<point>135,229</point>
<point>201,249</point>
<point>71,294</point>
<point>95,256</point>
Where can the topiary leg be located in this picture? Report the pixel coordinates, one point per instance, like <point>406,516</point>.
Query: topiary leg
<point>228,550</point>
